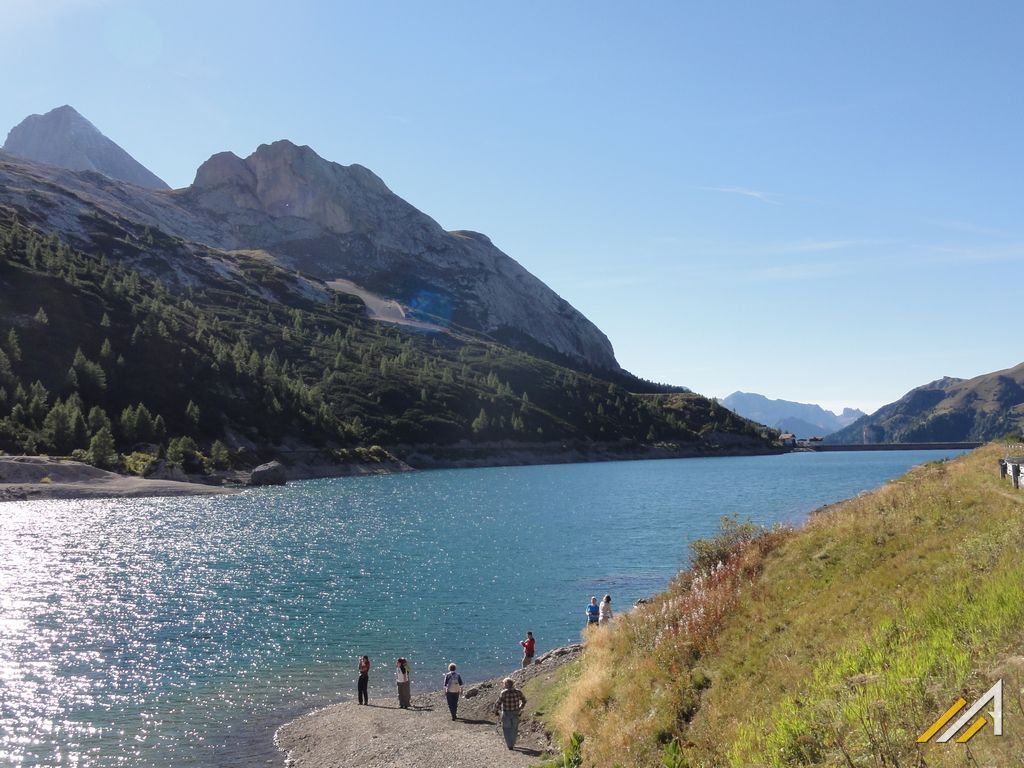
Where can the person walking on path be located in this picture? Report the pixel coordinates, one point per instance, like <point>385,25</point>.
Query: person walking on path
<point>404,686</point>
<point>605,613</point>
<point>452,689</point>
<point>510,705</point>
<point>364,680</point>
<point>593,612</point>
<point>528,645</point>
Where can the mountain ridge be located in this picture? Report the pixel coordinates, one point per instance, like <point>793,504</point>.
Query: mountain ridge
<point>948,409</point>
<point>327,221</point>
<point>802,419</point>
<point>62,137</point>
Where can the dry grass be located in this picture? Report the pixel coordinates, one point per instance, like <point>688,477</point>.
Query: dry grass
<point>640,681</point>
<point>836,645</point>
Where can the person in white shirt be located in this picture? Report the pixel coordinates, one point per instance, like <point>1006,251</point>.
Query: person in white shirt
<point>404,686</point>
<point>606,611</point>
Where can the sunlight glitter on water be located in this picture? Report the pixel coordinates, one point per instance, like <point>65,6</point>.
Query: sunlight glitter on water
<point>179,633</point>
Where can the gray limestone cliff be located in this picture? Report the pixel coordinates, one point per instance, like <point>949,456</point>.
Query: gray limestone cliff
<point>331,221</point>
<point>64,138</point>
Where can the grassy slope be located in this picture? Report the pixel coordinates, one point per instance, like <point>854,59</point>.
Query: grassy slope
<point>983,408</point>
<point>834,645</point>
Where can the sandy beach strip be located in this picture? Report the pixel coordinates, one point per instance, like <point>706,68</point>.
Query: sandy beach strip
<point>28,478</point>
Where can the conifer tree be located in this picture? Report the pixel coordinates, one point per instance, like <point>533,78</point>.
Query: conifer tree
<point>13,347</point>
<point>192,415</point>
<point>98,420</point>
<point>102,452</point>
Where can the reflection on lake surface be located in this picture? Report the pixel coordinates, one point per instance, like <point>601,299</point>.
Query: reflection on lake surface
<point>181,632</point>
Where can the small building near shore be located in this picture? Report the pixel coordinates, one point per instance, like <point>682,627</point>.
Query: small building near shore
<point>788,439</point>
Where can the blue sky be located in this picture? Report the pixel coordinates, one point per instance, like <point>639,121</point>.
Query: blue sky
<point>815,201</point>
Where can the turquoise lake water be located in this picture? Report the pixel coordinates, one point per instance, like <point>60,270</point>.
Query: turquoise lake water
<point>181,632</point>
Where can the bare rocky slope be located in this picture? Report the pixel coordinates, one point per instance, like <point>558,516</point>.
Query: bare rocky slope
<point>327,221</point>
<point>64,138</point>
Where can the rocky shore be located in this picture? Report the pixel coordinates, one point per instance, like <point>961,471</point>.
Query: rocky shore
<point>509,453</point>
<point>24,478</point>
<point>383,736</point>
<point>43,477</point>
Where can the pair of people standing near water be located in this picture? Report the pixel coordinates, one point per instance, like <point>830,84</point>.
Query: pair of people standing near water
<point>599,614</point>
<point>401,678</point>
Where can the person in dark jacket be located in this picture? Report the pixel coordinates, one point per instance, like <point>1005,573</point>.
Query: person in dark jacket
<point>364,680</point>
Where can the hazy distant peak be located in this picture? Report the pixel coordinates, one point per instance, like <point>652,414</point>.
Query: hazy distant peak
<point>64,138</point>
<point>802,419</point>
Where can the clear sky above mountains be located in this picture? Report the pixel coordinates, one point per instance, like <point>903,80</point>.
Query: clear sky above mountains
<point>807,200</point>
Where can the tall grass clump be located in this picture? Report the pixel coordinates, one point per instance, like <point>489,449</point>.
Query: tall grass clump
<point>640,680</point>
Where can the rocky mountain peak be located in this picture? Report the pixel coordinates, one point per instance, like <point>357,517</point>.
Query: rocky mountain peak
<point>283,179</point>
<point>64,138</point>
<point>328,221</point>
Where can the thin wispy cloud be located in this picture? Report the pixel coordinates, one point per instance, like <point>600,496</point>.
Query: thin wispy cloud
<point>969,227</point>
<point>818,246</point>
<point>745,192</point>
<point>799,272</point>
<point>979,254</point>
<point>754,250</point>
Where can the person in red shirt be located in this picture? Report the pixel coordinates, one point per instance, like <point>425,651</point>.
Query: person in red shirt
<point>528,646</point>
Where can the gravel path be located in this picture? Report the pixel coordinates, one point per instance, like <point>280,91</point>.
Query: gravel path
<point>383,736</point>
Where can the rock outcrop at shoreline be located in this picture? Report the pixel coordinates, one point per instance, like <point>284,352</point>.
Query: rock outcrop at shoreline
<point>383,736</point>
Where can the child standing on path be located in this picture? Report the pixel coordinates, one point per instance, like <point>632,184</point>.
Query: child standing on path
<point>593,612</point>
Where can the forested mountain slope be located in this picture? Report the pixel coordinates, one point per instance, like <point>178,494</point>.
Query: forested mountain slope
<point>250,356</point>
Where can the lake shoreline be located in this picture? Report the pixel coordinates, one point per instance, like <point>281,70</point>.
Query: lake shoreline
<point>37,478</point>
<point>347,735</point>
<point>34,478</point>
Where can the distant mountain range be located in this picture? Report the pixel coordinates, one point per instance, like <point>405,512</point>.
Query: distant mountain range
<point>947,410</point>
<point>802,419</point>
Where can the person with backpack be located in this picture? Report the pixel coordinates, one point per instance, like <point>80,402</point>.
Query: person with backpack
<point>452,689</point>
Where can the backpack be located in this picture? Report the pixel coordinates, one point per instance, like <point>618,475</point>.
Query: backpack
<point>453,682</point>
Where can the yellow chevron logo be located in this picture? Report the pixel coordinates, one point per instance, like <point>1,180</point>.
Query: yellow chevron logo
<point>994,695</point>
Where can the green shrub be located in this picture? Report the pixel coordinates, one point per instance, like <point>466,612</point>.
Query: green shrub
<point>139,463</point>
<point>705,554</point>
